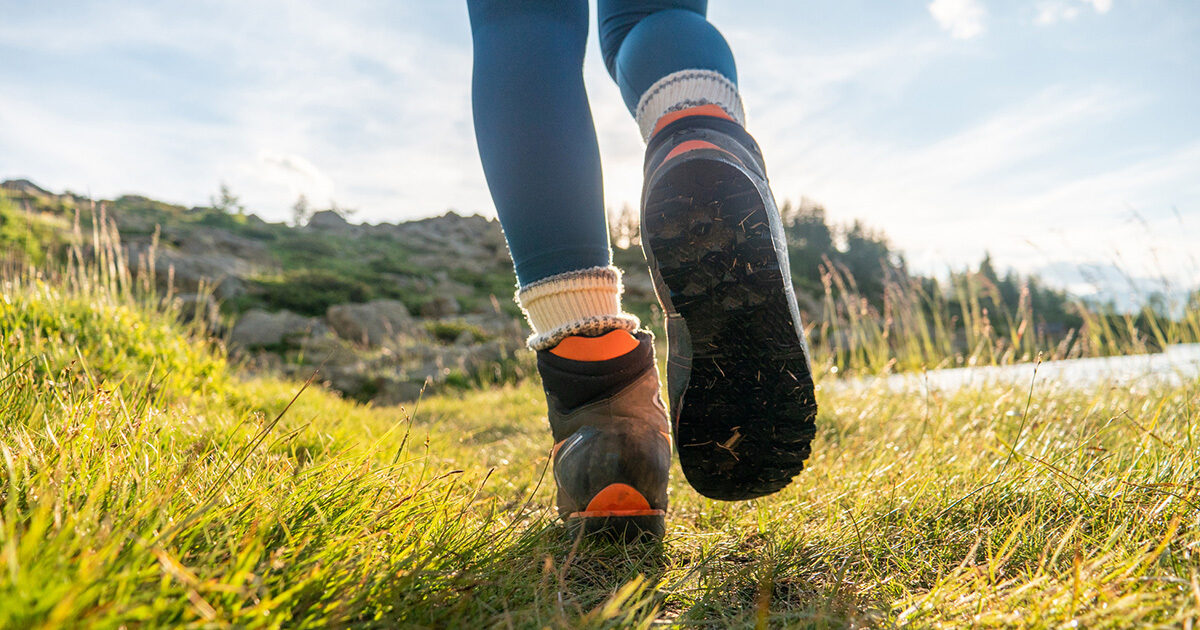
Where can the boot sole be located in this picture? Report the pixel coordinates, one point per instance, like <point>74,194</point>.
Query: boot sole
<point>746,419</point>
<point>622,529</point>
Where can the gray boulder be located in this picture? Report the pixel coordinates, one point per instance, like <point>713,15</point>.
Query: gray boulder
<point>258,328</point>
<point>189,272</point>
<point>190,257</point>
<point>371,324</point>
<point>328,220</point>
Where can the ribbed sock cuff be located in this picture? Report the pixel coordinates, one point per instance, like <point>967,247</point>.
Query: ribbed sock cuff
<point>684,89</point>
<point>582,302</point>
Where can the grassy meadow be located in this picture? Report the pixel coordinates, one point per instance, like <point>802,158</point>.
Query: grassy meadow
<point>146,482</point>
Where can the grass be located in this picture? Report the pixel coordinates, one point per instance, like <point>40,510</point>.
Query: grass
<point>145,483</point>
<point>28,235</point>
<point>964,321</point>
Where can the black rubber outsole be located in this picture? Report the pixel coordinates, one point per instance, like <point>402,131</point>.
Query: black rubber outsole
<point>623,529</point>
<point>746,420</point>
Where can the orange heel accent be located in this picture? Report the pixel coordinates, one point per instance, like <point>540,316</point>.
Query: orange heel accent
<point>618,496</point>
<point>693,145</point>
<point>607,346</point>
<point>617,499</point>
<point>699,110</point>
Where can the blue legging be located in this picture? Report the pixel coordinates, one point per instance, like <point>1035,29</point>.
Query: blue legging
<point>532,119</point>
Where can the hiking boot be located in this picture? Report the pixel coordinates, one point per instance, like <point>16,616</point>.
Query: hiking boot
<point>738,375</point>
<point>612,450</point>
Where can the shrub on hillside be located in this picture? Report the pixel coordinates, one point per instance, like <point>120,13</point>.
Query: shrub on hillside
<point>450,331</point>
<point>311,291</point>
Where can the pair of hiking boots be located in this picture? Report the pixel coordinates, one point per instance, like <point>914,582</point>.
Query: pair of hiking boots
<point>739,382</point>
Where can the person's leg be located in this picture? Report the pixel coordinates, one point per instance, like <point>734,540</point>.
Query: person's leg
<point>739,381</point>
<point>535,133</point>
<point>666,57</point>
<point>538,147</point>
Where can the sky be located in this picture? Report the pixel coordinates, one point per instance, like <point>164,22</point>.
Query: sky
<point>1050,133</point>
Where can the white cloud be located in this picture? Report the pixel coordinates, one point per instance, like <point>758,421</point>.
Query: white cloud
<point>319,101</point>
<point>962,18</point>
<point>292,173</point>
<point>1000,184</point>
<point>1055,11</point>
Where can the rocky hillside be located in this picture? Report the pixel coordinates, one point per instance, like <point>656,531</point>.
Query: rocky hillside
<point>382,310</point>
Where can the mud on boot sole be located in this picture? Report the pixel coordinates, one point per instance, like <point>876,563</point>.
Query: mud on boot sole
<point>746,419</point>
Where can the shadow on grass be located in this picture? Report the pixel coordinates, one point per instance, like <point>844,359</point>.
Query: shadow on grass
<point>564,581</point>
<point>548,577</point>
<point>778,582</point>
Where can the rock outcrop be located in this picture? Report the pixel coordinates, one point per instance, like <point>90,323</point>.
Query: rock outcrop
<point>257,328</point>
<point>378,352</point>
<point>328,220</point>
<point>374,323</point>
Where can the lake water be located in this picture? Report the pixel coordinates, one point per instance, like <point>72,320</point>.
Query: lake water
<point>1177,364</point>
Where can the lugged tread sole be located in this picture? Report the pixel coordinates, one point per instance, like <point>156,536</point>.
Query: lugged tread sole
<point>746,420</point>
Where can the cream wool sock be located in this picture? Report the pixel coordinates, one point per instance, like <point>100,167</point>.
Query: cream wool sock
<point>582,302</point>
<point>684,89</point>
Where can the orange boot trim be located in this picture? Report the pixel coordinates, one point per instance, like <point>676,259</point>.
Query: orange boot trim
<point>694,145</point>
<point>617,499</point>
<point>607,346</point>
<point>699,110</point>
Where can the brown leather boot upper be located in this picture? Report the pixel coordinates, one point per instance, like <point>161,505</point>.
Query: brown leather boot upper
<point>622,438</point>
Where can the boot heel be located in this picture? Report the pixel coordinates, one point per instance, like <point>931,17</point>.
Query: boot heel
<point>618,512</point>
<point>626,529</point>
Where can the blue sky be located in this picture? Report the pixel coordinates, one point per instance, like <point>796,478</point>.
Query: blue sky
<point>1042,130</point>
